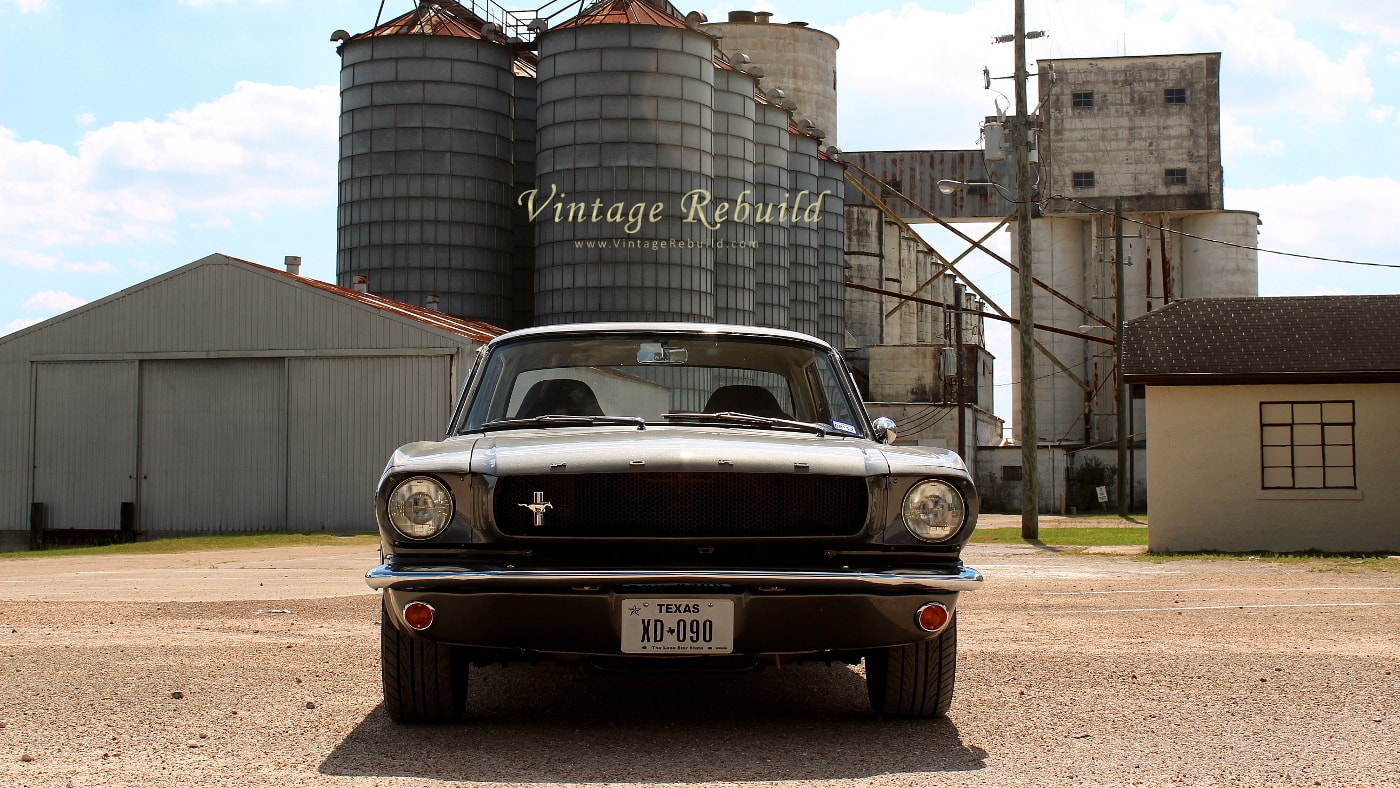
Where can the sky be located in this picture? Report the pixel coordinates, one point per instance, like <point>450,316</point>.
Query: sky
<point>136,137</point>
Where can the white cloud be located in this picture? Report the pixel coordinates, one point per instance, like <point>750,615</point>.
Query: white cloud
<point>39,261</point>
<point>255,149</point>
<point>27,6</point>
<point>86,118</point>
<point>1268,65</point>
<point>52,302</point>
<point>1238,138</point>
<point>1349,218</point>
<point>18,323</point>
<point>1381,113</point>
<point>911,77</point>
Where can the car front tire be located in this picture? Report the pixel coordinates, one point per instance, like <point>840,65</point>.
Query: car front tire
<point>424,681</point>
<point>914,681</point>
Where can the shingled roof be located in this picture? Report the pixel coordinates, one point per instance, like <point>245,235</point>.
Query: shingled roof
<point>1245,341</point>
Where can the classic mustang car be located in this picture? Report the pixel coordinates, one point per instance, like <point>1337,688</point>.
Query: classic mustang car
<point>669,496</point>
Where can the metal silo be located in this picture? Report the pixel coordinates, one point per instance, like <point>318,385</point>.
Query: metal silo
<point>523,267</point>
<point>831,252</point>
<point>426,178</point>
<point>804,273</point>
<point>734,183</point>
<point>626,96</point>
<point>772,186</point>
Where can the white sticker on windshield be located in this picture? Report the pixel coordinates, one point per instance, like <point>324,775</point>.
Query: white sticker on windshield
<point>841,426</point>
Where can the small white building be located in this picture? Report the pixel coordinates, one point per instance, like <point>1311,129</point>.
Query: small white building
<point>1274,422</point>
<point>220,397</point>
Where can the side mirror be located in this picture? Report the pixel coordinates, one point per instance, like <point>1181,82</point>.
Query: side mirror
<point>884,430</point>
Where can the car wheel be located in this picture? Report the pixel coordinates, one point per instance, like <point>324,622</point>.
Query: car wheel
<point>914,681</point>
<point>424,681</point>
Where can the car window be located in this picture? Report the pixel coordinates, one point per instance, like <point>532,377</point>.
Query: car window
<point>649,377</point>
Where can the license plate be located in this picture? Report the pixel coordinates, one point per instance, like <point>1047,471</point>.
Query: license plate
<point>677,626</point>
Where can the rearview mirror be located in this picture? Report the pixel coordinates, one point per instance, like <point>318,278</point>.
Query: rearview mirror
<point>657,353</point>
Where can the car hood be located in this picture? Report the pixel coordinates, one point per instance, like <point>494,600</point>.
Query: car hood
<point>665,448</point>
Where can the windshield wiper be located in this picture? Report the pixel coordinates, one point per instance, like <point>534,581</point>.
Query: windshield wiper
<point>745,419</point>
<point>556,420</point>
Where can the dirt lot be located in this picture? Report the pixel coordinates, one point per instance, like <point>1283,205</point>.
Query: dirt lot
<point>260,669</point>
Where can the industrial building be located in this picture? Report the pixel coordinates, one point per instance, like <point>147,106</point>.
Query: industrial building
<point>617,160</point>
<point>221,397</point>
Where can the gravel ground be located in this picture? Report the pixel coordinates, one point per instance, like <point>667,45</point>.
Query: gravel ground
<point>260,668</point>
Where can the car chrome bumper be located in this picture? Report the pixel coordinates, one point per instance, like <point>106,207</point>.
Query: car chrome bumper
<point>467,580</point>
<point>580,611</point>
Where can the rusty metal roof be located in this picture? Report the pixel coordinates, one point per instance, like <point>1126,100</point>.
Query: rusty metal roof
<point>623,12</point>
<point>474,330</point>
<point>428,19</point>
<point>446,19</point>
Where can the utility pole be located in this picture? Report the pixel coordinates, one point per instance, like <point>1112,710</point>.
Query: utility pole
<point>1020,138</point>
<point>959,297</point>
<point>1120,394</point>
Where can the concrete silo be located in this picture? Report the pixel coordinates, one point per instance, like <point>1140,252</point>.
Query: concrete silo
<point>626,94</point>
<point>426,173</point>
<point>1210,270</point>
<point>797,59</point>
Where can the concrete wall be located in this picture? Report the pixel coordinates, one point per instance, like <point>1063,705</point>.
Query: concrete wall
<point>1206,491</point>
<point>1001,491</point>
<point>1131,136</point>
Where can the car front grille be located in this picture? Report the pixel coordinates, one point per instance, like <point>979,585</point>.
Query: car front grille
<point>681,505</point>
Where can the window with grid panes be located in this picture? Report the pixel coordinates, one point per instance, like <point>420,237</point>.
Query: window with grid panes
<point>1307,445</point>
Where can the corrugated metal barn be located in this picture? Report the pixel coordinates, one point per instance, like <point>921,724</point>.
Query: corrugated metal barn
<point>220,397</point>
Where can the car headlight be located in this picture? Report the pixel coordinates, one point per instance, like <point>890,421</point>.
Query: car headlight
<point>420,507</point>
<point>933,510</point>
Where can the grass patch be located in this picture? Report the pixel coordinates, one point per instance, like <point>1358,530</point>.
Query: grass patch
<point>194,544</point>
<point>1079,536</point>
<point>1313,559</point>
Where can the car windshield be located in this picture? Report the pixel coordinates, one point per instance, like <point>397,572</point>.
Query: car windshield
<point>546,381</point>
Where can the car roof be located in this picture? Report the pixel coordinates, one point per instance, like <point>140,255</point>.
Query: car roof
<point>662,328</point>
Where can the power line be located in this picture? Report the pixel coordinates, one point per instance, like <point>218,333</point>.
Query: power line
<point>1127,218</point>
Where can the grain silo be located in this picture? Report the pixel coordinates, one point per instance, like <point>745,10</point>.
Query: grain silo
<point>1220,270</point>
<point>733,182</point>
<point>772,185</point>
<point>523,268</point>
<point>831,248</point>
<point>626,95</point>
<point>804,235</point>
<point>426,173</point>
<point>797,59</point>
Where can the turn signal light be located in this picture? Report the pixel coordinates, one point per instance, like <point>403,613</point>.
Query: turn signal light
<point>419,615</point>
<point>932,617</point>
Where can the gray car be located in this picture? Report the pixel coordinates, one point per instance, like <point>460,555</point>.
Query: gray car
<point>669,496</point>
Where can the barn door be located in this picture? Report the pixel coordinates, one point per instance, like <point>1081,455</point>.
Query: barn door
<point>85,442</point>
<point>213,446</point>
